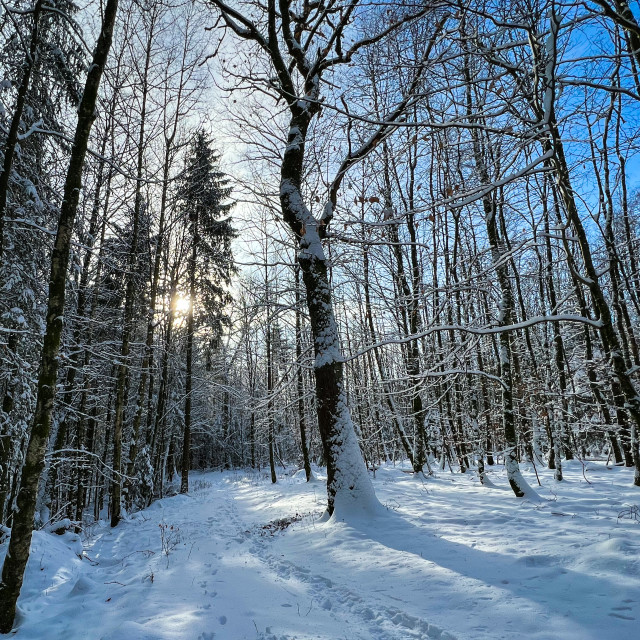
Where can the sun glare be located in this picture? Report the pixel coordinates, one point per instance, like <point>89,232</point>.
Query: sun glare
<point>181,304</point>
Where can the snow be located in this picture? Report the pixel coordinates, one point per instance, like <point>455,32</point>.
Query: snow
<point>354,495</point>
<point>327,341</point>
<point>447,558</point>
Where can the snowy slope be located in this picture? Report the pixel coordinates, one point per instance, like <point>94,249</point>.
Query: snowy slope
<point>449,559</point>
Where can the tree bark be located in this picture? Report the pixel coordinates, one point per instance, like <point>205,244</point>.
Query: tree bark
<point>348,485</point>
<point>188,385</point>
<point>300,382</point>
<point>14,128</point>
<point>22,530</point>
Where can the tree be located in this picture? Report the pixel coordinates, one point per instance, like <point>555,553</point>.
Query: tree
<point>202,195</point>
<point>52,51</point>
<point>22,530</point>
<point>302,44</point>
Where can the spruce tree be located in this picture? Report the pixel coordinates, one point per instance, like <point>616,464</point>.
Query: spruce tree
<point>203,196</point>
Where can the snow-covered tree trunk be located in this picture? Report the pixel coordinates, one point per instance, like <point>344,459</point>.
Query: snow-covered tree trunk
<point>348,484</point>
<point>505,316</point>
<point>299,48</point>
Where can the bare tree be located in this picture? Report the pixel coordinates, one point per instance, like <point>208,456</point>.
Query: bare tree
<point>303,44</point>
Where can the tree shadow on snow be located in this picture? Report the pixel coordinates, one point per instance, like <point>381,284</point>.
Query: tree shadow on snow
<point>478,581</point>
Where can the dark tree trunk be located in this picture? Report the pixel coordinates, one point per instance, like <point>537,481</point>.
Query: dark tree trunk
<point>270,375</point>
<point>300,382</point>
<point>188,386</point>
<point>22,529</point>
<point>347,479</point>
<point>608,335</point>
<point>156,435</point>
<point>78,354</point>
<point>14,128</point>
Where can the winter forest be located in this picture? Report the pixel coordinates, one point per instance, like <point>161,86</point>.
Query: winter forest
<point>332,304</point>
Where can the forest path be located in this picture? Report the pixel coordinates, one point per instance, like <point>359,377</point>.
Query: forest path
<point>452,559</point>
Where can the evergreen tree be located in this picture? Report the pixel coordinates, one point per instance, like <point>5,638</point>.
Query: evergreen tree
<point>202,195</point>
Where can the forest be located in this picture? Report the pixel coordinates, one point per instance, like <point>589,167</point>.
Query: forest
<point>333,235</point>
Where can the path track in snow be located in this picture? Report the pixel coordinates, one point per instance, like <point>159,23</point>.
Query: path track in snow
<point>369,621</point>
<point>365,620</point>
<point>458,560</point>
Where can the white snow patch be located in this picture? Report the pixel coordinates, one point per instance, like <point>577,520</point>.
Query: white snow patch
<point>447,558</point>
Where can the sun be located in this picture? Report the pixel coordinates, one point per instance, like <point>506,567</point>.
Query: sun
<point>181,304</point>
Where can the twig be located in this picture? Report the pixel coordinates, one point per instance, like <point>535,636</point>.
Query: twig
<point>536,470</point>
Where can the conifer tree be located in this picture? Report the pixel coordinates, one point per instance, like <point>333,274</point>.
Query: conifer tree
<point>203,194</point>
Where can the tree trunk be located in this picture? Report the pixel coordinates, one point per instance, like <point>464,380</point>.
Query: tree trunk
<point>188,385</point>
<point>157,433</point>
<point>130,292</point>
<point>348,485</point>
<point>22,530</point>
<point>610,339</point>
<point>506,306</point>
<point>386,388</point>
<point>299,381</point>
<point>60,434</point>
<point>147,361</point>
<point>14,128</point>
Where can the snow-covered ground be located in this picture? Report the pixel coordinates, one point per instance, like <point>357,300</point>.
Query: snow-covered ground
<point>449,559</point>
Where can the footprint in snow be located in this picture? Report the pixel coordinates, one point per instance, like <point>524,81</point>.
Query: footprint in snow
<point>621,611</point>
<point>367,613</point>
<point>621,616</point>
